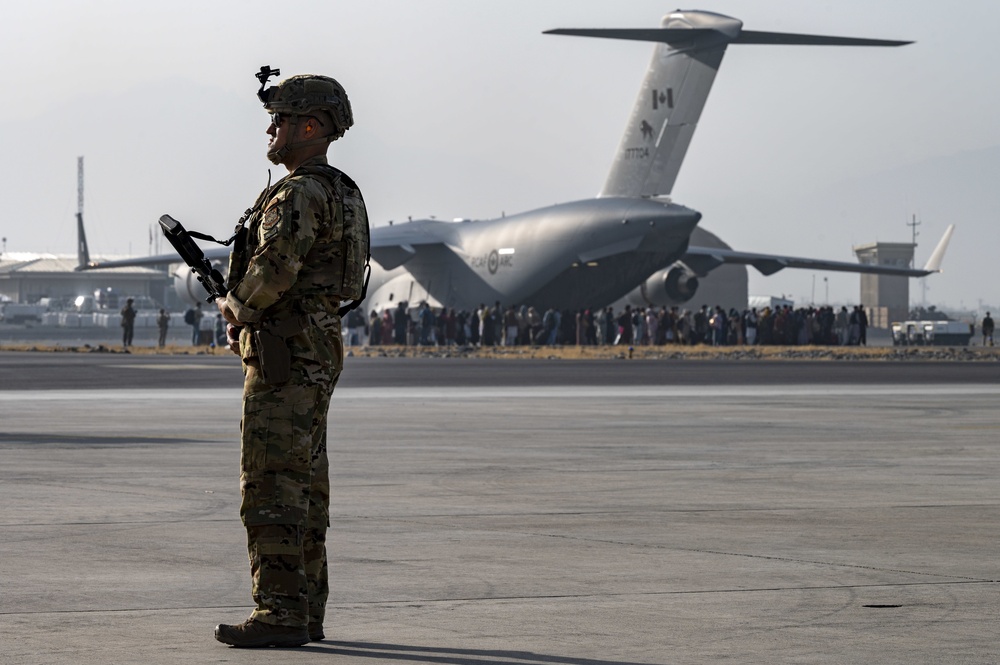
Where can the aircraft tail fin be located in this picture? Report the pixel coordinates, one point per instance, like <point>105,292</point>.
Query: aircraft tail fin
<point>690,48</point>
<point>937,256</point>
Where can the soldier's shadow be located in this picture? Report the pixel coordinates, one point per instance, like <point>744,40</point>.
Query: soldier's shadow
<point>447,656</point>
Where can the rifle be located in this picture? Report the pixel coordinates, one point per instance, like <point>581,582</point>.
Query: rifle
<point>181,239</point>
<point>275,358</point>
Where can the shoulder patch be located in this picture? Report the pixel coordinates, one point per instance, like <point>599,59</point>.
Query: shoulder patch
<point>271,217</point>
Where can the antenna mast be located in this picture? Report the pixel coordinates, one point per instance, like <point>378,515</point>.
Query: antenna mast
<point>923,281</point>
<point>82,253</point>
<point>913,227</point>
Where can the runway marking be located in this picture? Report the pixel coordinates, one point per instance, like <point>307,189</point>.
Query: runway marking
<point>672,392</point>
<point>166,366</point>
<point>604,393</point>
<point>140,394</point>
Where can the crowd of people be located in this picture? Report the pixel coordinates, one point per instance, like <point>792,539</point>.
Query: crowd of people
<point>522,325</point>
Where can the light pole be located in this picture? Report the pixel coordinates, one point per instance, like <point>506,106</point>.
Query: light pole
<point>826,283</point>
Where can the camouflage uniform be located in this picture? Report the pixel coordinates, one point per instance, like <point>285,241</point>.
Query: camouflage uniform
<point>128,323</point>
<point>306,245</point>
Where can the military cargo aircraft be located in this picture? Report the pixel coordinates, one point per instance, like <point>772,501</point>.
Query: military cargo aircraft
<point>631,241</point>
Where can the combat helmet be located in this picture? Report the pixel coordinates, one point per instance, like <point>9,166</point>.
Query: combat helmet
<point>308,95</point>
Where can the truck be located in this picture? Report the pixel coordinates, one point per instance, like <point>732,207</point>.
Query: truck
<point>13,312</point>
<point>931,333</point>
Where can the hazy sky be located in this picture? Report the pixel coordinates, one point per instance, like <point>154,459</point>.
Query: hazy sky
<point>464,109</point>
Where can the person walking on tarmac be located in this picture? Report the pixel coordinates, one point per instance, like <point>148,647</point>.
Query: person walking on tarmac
<point>193,317</point>
<point>162,324</point>
<point>304,251</point>
<point>128,323</point>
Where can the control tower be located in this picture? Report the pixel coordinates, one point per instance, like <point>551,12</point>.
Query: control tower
<point>886,297</point>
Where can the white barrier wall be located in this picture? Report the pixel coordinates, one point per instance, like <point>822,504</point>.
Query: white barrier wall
<point>144,319</point>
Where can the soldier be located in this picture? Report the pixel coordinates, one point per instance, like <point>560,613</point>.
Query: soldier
<point>162,323</point>
<point>304,251</point>
<point>193,318</point>
<point>128,323</point>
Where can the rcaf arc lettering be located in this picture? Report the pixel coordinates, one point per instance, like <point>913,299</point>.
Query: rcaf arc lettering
<point>494,260</point>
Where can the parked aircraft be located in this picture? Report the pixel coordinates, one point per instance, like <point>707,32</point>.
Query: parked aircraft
<point>632,240</point>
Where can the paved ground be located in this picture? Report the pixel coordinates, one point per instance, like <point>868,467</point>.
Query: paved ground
<point>41,371</point>
<point>49,335</point>
<point>526,521</point>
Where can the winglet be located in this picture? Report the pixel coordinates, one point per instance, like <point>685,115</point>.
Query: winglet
<point>934,263</point>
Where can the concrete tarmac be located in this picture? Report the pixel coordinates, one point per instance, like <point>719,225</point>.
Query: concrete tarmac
<point>41,371</point>
<point>551,517</point>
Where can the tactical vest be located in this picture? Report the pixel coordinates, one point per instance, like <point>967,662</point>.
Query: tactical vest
<point>336,264</point>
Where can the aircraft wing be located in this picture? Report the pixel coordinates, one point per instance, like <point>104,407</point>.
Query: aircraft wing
<point>392,246</point>
<point>703,260</point>
<point>212,254</point>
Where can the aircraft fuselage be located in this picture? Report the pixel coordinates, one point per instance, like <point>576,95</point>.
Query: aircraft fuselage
<point>570,256</point>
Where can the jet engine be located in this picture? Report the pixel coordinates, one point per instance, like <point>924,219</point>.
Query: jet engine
<point>187,286</point>
<point>675,284</point>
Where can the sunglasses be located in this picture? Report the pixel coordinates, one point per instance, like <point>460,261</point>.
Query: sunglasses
<point>278,118</point>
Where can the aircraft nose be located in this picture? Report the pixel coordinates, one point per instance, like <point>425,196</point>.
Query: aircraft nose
<point>677,222</point>
<point>690,220</point>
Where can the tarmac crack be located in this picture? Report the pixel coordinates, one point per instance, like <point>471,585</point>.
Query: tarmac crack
<point>746,555</point>
<point>417,602</point>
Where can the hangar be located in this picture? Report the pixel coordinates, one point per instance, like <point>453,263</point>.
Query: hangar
<point>27,278</point>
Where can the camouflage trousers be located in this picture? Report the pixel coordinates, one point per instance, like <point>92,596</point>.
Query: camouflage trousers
<point>285,488</point>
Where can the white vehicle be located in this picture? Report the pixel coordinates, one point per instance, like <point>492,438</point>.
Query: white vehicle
<point>12,312</point>
<point>760,303</point>
<point>931,333</point>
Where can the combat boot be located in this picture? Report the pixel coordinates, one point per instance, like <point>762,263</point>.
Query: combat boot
<point>251,634</point>
<point>316,631</point>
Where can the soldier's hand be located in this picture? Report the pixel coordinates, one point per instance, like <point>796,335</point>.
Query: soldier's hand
<point>226,311</point>
<point>233,338</point>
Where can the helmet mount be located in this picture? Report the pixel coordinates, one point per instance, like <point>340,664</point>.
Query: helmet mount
<point>265,73</point>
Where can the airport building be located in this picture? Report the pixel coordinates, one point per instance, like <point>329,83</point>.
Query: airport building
<point>886,297</point>
<point>29,278</point>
